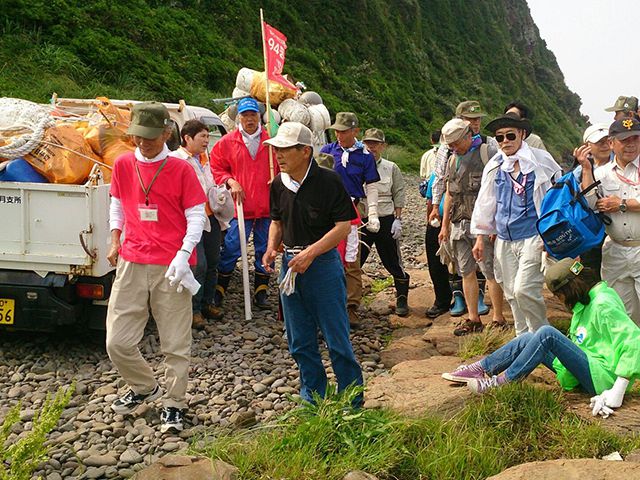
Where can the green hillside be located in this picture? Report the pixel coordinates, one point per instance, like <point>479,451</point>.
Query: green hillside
<point>402,65</point>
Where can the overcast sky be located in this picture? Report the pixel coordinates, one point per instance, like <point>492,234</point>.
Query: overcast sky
<point>596,45</point>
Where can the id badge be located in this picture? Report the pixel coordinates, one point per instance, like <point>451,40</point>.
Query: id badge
<point>148,213</point>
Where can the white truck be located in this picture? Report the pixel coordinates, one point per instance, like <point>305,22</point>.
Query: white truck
<point>54,240</point>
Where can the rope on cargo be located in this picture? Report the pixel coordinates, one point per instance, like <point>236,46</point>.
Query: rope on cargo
<point>26,143</point>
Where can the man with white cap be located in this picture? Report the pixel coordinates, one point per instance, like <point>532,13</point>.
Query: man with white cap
<point>157,200</point>
<point>620,188</point>
<point>466,163</point>
<point>311,213</point>
<point>595,152</point>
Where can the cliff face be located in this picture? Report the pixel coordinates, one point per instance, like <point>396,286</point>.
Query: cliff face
<point>402,65</point>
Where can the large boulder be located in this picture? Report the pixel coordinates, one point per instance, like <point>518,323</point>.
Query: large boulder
<point>579,469</point>
<point>180,467</point>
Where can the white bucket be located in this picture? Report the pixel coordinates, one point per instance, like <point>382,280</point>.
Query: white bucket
<point>244,79</point>
<point>293,111</point>
<point>310,98</point>
<point>320,118</point>
<point>276,117</point>
<point>239,93</point>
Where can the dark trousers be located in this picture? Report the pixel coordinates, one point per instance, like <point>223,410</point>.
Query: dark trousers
<point>437,271</point>
<point>388,248</point>
<point>206,271</point>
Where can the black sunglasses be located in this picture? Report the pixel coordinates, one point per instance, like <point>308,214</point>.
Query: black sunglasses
<point>510,136</point>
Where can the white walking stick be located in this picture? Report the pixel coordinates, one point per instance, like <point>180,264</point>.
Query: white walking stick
<point>245,261</point>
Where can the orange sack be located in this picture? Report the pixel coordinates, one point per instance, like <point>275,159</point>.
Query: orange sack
<point>62,156</point>
<point>107,137</point>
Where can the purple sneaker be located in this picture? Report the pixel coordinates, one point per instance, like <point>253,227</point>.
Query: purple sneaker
<point>481,385</point>
<point>465,373</point>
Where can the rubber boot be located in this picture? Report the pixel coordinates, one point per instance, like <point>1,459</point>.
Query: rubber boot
<point>402,296</point>
<point>459,306</point>
<point>221,288</point>
<point>483,308</point>
<point>261,287</point>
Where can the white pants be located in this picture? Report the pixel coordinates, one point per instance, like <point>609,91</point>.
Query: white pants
<point>621,271</point>
<point>517,268</point>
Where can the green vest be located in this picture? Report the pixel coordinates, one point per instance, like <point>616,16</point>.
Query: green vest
<point>604,331</point>
<point>465,176</point>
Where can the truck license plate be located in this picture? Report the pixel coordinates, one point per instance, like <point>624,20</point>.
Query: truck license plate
<point>7,311</point>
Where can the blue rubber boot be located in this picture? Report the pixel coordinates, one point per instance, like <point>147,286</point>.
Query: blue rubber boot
<point>459,306</point>
<point>483,308</point>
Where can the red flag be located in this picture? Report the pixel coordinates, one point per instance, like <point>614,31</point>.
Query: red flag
<point>275,45</point>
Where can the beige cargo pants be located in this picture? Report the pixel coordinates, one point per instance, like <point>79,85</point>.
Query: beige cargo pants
<point>136,288</point>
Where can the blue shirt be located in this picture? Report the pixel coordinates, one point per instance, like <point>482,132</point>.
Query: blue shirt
<point>432,179</point>
<point>516,214</point>
<point>360,169</point>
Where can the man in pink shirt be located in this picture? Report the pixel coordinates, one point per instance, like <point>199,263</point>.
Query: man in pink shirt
<point>158,202</point>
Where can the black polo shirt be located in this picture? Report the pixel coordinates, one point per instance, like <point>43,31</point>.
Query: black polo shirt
<point>309,214</point>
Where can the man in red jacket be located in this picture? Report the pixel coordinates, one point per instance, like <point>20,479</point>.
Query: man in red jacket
<point>240,160</point>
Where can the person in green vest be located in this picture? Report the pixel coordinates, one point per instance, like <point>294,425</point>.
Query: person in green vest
<point>601,354</point>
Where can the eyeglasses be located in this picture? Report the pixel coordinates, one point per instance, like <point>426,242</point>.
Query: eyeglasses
<point>509,136</point>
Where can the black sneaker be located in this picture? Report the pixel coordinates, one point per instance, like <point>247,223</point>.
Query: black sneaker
<point>435,311</point>
<point>130,401</point>
<point>171,418</point>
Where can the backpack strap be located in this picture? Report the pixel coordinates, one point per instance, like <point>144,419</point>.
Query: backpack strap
<point>484,153</point>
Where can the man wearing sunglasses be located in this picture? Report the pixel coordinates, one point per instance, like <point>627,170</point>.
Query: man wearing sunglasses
<point>466,163</point>
<point>514,183</point>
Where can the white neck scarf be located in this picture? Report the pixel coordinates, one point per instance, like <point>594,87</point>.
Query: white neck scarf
<point>344,158</point>
<point>161,156</point>
<point>290,183</point>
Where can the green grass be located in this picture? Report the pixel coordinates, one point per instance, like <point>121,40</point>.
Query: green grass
<point>483,343</point>
<point>512,425</point>
<point>377,285</point>
<point>18,460</point>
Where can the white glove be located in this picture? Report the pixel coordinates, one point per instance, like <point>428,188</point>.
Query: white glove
<point>178,268</point>
<point>599,408</point>
<point>396,229</point>
<point>373,224</point>
<point>190,283</point>
<point>610,399</point>
<point>288,283</point>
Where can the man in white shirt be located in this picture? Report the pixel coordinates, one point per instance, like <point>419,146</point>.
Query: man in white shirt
<point>620,187</point>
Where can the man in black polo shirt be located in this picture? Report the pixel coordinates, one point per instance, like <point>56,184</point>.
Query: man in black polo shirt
<point>311,213</point>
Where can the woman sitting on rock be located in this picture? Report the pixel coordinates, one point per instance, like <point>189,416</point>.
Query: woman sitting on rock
<point>601,354</point>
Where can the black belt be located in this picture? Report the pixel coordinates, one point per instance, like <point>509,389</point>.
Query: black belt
<point>294,250</point>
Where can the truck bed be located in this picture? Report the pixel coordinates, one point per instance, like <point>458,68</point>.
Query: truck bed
<point>43,228</point>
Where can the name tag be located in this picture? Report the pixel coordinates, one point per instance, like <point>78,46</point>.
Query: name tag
<point>148,213</point>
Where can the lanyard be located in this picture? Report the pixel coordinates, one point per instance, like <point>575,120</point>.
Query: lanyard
<point>518,187</point>
<point>627,181</point>
<point>147,190</point>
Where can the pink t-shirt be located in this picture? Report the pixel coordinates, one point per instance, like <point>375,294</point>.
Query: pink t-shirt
<point>175,190</point>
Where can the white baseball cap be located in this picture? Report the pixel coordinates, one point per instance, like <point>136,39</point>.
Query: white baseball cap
<point>291,134</point>
<point>454,130</point>
<point>595,133</point>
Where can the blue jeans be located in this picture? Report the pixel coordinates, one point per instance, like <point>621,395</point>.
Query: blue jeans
<point>206,271</point>
<point>523,354</point>
<point>231,249</point>
<point>319,302</point>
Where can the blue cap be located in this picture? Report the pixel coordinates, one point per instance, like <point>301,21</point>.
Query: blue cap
<point>248,104</point>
